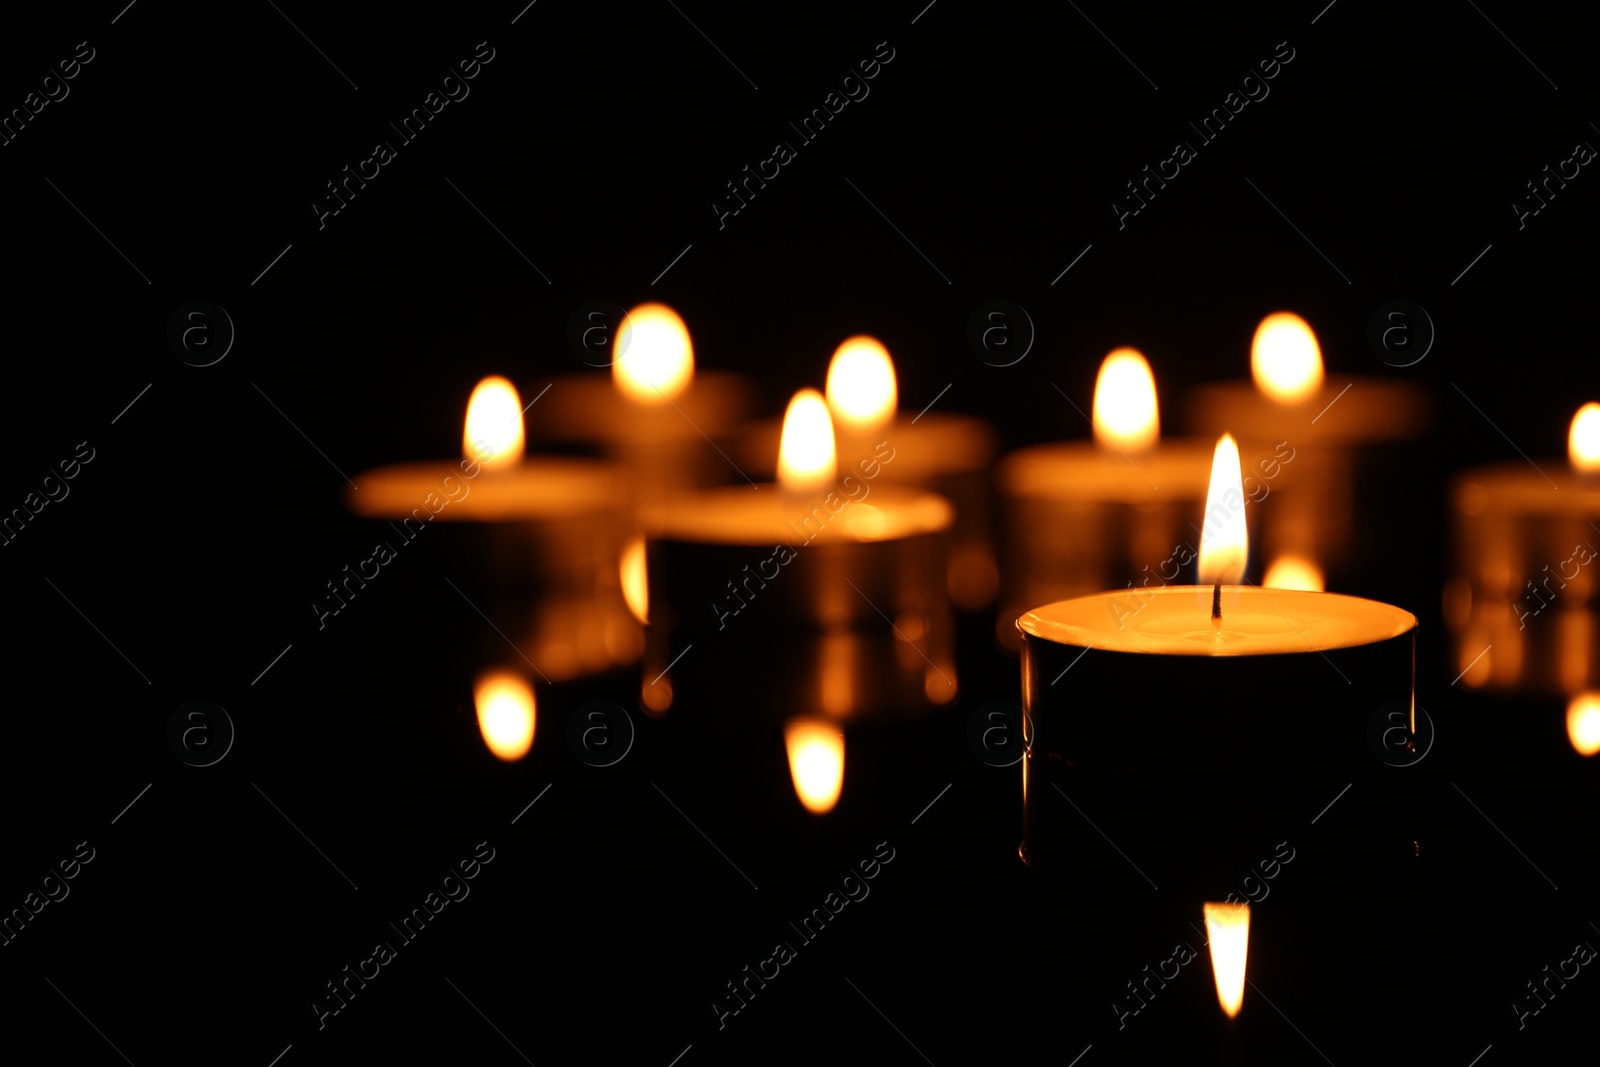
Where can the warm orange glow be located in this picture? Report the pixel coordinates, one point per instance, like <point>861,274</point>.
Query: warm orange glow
<point>493,431</point>
<point>505,713</point>
<point>656,696</point>
<point>657,360</point>
<point>1293,572</point>
<point>806,458</point>
<point>1228,931</point>
<point>816,761</point>
<point>1224,542</point>
<point>635,584</point>
<point>1583,440</point>
<point>1285,359</point>
<point>1583,723</point>
<point>861,386</point>
<point>1125,414</point>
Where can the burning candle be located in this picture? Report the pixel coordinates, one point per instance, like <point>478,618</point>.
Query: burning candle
<point>821,592</point>
<point>656,413</point>
<point>1521,600</point>
<point>1307,523</point>
<point>1199,699</point>
<point>1128,497</point>
<point>543,536</point>
<point>947,453</point>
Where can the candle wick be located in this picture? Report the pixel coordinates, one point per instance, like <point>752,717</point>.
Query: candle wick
<point>1216,605</point>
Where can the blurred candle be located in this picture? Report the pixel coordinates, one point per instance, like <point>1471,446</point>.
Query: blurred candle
<point>1327,421</point>
<point>1127,496</point>
<point>656,411</point>
<point>947,453</point>
<point>1523,581</point>
<point>536,540</point>
<point>803,577</point>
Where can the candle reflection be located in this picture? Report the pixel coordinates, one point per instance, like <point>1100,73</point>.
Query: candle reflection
<point>635,580</point>
<point>1583,723</point>
<point>505,713</point>
<point>1293,572</point>
<point>1228,933</point>
<point>816,762</point>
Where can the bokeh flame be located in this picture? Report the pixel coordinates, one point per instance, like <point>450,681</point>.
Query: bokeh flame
<point>1125,411</point>
<point>1285,359</point>
<point>861,384</point>
<point>806,454</point>
<point>493,431</point>
<point>657,360</point>
<point>1583,440</point>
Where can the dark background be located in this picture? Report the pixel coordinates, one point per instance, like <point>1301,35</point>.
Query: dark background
<point>191,546</point>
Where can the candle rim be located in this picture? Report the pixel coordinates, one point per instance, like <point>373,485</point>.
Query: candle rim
<point>538,487</point>
<point>1033,624</point>
<point>691,518</point>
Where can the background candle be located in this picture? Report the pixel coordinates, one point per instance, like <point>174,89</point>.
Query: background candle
<point>655,412</point>
<point>1521,600</point>
<point>818,594</point>
<point>1309,519</point>
<point>948,453</point>
<point>1079,516</point>
<point>537,540</point>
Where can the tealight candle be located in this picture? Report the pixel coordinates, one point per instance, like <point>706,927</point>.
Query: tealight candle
<point>1205,712</point>
<point>656,413</point>
<point>545,541</point>
<point>1521,601</point>
<point>948,453</point>
<point>817,594</point>
<point>1306,526</point>
<point>1127,497</point>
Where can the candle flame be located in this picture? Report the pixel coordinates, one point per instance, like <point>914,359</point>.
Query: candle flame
<point>1583,440</point>
<point>1294,572</point>
<point>505,713</point>
<point>816,762</point>
<point>861,385</point>
<point>657,360</point>
<point>1285,359</point>
<point>1125,412</point>
<point>635,581</point>
<point>1224,541</point>
<point>1228,931</point>
<point>1583,723</point>
<point>493,431</point>
<point>806,456</point>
